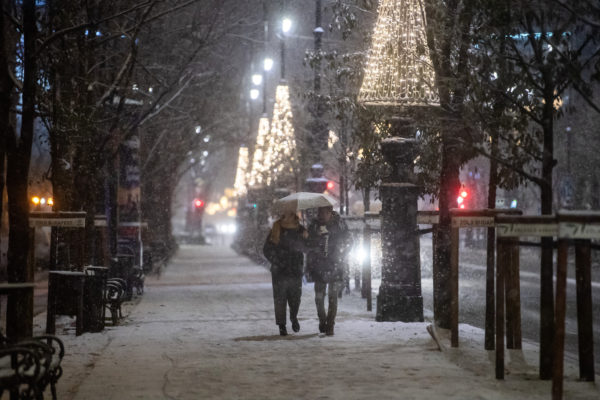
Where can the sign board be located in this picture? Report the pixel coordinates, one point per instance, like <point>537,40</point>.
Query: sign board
<point>59,222</point>
<point>354,224</point>
<point>100,222</point>
<point>536,230</point>
<point>373,224</point>
<point>133,224</point>
<point>428,219</point>
<point>578,230</point>
<point>472,222</point>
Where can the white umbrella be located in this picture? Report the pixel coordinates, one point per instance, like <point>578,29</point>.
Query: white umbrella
<point>302,201</point>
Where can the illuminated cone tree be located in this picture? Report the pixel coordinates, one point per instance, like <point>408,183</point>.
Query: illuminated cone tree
<point>241,173</point>
<point>280,158</point>
<point>259,171</point>
<point>399,70</point>
<point>399,77</point>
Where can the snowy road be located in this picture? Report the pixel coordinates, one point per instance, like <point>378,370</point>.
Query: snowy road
<point>205,330</point>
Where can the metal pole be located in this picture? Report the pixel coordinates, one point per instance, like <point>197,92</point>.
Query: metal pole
<point>266,39</point>
<point>282,43</point>
<point>318,32</point>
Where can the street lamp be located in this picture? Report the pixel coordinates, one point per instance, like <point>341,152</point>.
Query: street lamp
<point>268,64</point>
<point>257,79</point>
<point>286,25</point>
<point>399,76</point>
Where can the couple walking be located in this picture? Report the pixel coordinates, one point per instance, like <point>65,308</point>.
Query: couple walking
<point>326,243</point>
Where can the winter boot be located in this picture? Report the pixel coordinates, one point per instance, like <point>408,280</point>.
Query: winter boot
<point>322,327</point>
<point>329,330</point>
<point>295,325</point>
<point>282,330</point>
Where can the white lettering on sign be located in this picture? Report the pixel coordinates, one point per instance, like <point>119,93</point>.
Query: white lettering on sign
<point>60,222</point>
<point>428,219</point>
<point>578,230</point>
<point>472,222</point>
<point>515,230</point>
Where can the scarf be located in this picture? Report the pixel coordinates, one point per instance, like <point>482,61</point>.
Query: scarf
<point>279,224</point>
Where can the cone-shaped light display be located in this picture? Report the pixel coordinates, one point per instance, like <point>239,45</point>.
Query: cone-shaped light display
<point>258,173</point>
<point>399,70</point>
<point>280,155</point>
<point>241,173</point>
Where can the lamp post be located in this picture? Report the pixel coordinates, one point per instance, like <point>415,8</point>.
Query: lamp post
<point>399,79</point>
<point>319,131</point>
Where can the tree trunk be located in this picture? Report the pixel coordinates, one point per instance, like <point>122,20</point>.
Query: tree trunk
<point>367,199</point>
<point>491,248</point>
<point>6,92</point>
<point>449,187</point>
<point>20,312</point>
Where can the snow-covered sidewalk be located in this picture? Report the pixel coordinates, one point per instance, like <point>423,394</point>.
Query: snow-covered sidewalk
<point>205,330</point>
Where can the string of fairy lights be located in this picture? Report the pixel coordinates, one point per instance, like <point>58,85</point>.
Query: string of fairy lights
<point>399,69</point>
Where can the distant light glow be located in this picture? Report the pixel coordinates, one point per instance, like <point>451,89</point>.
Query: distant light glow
<point>226,229</point>
<point>359,254</point>
<point>35,200</point>
<point>254,93</point>
<point>330,185</point>
<point>286,25</point>
<point>198,129</point>
<point>268,64</point>
<point>257,79</point>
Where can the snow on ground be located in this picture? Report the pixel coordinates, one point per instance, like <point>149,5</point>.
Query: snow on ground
<point>205,330</point>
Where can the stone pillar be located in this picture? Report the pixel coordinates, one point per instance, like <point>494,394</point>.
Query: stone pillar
<point>400,297</point>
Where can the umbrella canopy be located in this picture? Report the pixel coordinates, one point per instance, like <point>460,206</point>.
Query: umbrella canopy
<point>302,201</point>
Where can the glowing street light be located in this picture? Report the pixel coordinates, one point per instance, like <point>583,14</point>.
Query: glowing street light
<point>254,93</point>
<point>257,79</point>
<point>268,64</point>
<point>286,25</point>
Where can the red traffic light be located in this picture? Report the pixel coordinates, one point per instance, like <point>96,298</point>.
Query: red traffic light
<point>461,198</point>
<point>330,185</point>
<point>198,203</point>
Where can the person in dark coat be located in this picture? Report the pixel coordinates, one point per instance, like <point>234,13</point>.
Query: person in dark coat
<point>329,241</point>
<point>283,248</point>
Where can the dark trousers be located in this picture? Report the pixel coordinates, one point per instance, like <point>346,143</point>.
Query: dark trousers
<point>286,290</point>
<point>332,293</point>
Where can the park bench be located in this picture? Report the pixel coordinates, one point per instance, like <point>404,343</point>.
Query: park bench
<point>114,297</point>
<point>29,366</point>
